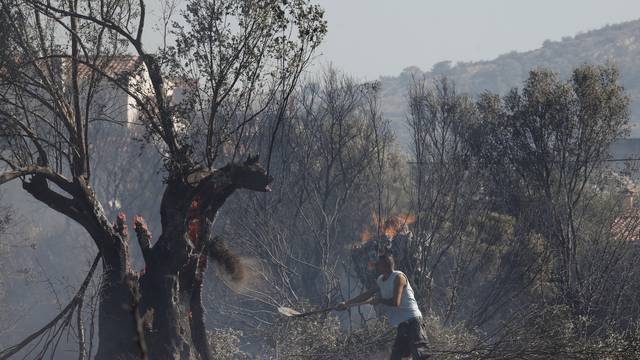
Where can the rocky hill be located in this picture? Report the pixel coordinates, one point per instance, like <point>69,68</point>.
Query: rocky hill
<point>618,44</point>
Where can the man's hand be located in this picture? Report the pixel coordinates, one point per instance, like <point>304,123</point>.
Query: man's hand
<point>342,306</point>
<point>357,300</point>
<point>375,300</point>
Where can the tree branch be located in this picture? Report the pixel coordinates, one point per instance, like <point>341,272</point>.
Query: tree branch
<point>77,299</point>
<point>144,237</point>
<point>45,171</point>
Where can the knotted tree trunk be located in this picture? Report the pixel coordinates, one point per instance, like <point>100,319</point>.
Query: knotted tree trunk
<point>169,309</point>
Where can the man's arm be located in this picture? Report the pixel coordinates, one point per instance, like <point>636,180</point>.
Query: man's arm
<point>368,294</point>
<point>396,299</point>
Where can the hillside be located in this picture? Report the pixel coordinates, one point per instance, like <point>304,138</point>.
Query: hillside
<point>619,44</point>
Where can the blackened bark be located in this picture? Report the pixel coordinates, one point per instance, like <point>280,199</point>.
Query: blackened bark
<point>160,283</point>
<point>116,297</point>
<point>198,330</point>
<point>170,336</point>
<point>171,285</point>
<point>117,336</point>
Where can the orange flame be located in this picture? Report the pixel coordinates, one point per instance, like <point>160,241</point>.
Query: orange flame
<point>394,223</point>
<point>388,227</point>
<point>365,236</point>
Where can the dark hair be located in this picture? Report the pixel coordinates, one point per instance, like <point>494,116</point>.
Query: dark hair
<point>388,259</point>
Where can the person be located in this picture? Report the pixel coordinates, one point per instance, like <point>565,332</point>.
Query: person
<point>394,293</point>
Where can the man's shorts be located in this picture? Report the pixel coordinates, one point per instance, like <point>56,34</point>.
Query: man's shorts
<point>410,341</point>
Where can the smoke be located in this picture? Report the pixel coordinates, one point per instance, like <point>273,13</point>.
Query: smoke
<point>227,259</point>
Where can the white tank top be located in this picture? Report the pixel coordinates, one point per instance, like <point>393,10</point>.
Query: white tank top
<point>408,308</point>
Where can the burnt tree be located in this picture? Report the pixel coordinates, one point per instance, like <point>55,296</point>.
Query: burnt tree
<point>232,63</point>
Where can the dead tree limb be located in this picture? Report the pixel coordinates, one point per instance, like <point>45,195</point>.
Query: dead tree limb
<point>52,327</point>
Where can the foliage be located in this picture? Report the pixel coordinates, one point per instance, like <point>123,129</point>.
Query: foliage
<point>485,261</point>
<point>322,338</point>
<point>324,190</point>
<point>226,344</point>
<point>513,220</point>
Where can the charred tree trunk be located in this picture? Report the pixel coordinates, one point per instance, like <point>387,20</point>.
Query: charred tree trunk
<point>116,295</point>
<point>171,285</point>
<point>159,312</point>
<point>116,339</point>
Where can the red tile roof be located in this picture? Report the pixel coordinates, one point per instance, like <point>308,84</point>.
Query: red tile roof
<point>627,226</point>
<point>113,66</point>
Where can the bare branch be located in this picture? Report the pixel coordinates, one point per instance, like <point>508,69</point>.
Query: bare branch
<point>52,330</point>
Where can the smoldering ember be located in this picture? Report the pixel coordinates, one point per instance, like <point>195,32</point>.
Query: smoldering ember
<point>242,179</point>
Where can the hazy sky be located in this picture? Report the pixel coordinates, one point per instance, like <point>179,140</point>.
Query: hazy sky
<point>369,38</point>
